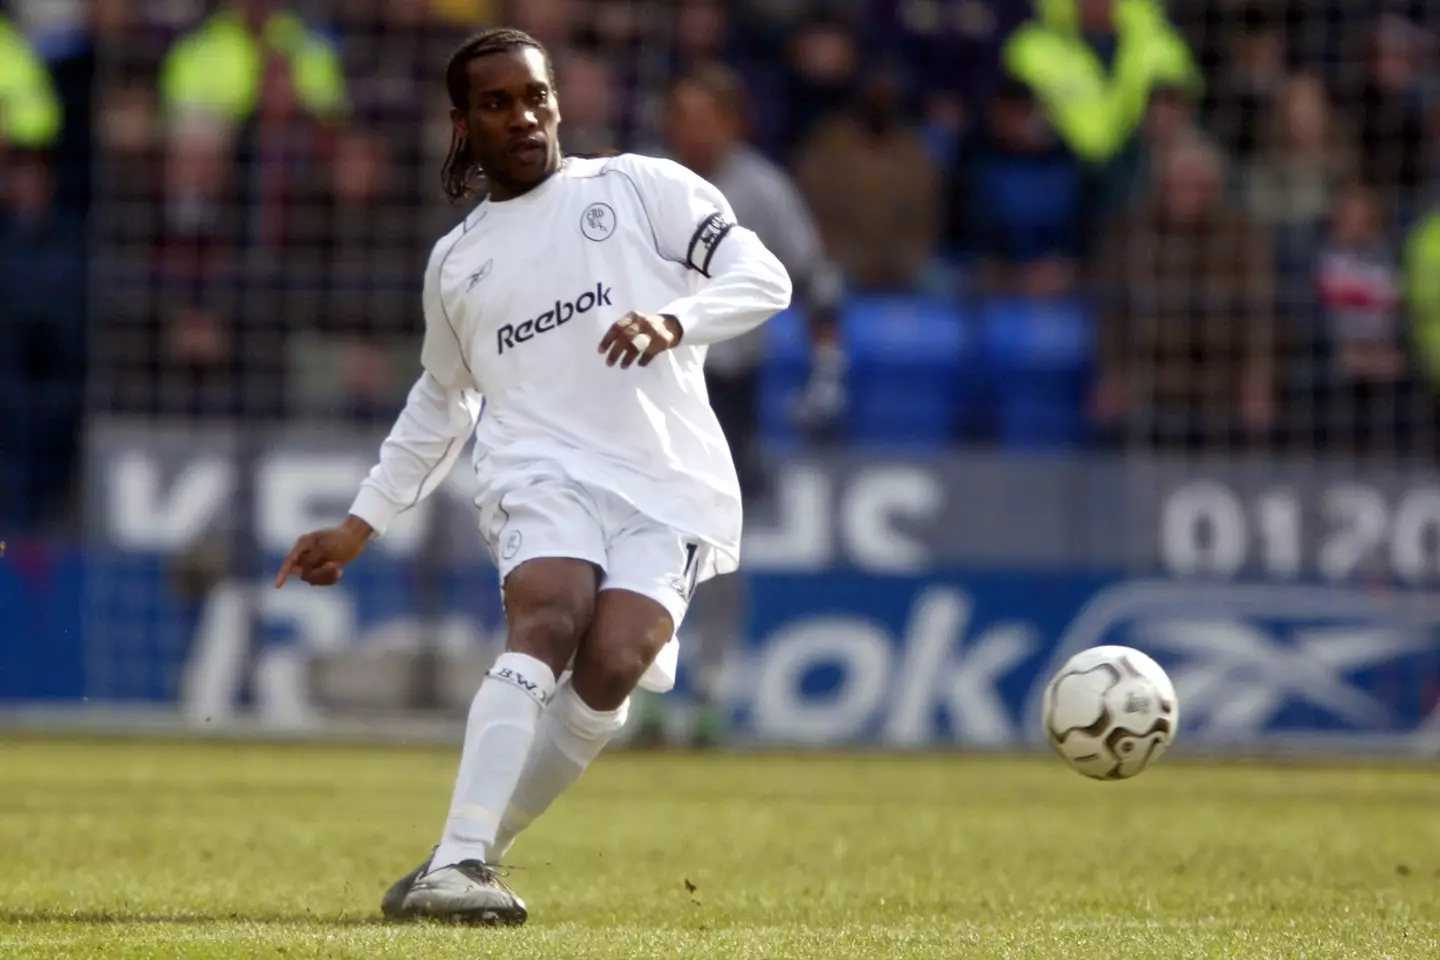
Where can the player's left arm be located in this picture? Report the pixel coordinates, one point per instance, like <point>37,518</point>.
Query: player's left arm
<point>741,283</point>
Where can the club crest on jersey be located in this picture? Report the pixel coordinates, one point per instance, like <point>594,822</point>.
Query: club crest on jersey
<point>511,335</point>
<point>598,222</point>
<point>474,279</point>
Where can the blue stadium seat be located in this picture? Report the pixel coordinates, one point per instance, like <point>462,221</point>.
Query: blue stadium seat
<point>910,380</point>
<point>910,375</point>
<point>1040,355</point>
<point>785,370</point>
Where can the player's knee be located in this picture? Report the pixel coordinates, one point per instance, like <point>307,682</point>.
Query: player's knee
<point>605,685</point>
<point>607,673</point>
<point>549,604</point>
<point>548,632</point>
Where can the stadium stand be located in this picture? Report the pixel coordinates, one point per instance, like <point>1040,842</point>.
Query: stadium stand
<point>257,183</point>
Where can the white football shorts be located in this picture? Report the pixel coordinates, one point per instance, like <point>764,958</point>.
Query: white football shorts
<point>548,515</point>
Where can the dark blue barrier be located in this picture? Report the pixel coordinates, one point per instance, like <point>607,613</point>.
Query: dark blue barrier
<point>833,658</point>
<point>42,641</point>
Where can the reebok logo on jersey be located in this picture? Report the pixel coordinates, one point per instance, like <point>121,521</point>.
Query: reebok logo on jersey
<point>510,336</point>
<point>478,275</point>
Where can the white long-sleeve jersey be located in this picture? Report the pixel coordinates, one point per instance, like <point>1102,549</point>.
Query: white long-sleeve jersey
<point>517,299</point>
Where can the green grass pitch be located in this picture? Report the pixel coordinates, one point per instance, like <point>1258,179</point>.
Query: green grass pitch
<point>213,850</point>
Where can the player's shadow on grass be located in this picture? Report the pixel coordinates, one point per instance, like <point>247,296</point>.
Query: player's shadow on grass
<point>102,918</point>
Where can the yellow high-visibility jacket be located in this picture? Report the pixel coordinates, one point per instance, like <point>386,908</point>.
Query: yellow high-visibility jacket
<point>30,111</point>
<point>1422,294</point>
<point>219,67</point>
<point>1095,108</point>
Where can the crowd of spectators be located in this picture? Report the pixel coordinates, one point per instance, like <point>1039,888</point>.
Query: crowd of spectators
<point>223,209</point>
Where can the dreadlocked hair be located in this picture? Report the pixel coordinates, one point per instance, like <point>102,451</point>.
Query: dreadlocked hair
<point>461,176</point>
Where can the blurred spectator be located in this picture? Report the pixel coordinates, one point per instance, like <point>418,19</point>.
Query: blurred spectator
<point>258,68</point>
<point>126,129</point>
<point>30,114</point>
<point>1392,112</point>
<point>42,352</point>
<point>705,127</point>
<point>219,349</point>
<point>1290,186</point>
<point>1022,208</point>
<point>70,46</point>
<point>198,175</point>
<point>231,63</point>
<point>351,272</point>
<point>194,349</point>
<point>392,50</point>
<point>1304,156</point>
<point>954,48</point>
<point>1365,398</point>
<point>702,31</point>
<point>116,73</point>
<point>1303,159</point>
<point>255,229</point>
<point>587,88</point>
<point>1170,119</point>
<point>1188,338</point>
<point>874,188</point>
<point>361,214</point>
<point>825,63</point>
<point>358,184</point>
<point>104,57</point>
<point>714,31</point>
<point>1094,64</point>
<point>1249,80</point>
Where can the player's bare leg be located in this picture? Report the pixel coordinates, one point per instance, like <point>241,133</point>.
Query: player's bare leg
<point>549,605</point>
<point>625,636</point>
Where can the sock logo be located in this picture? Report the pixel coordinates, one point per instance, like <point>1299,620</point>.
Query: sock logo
<point>505,673</point>
<point>511,335</point>
<point>512,676</point>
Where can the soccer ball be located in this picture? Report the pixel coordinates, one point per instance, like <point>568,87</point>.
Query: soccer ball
<point>1110,712</point>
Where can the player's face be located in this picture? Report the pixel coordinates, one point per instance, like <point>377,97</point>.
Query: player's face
<point>512,120</point>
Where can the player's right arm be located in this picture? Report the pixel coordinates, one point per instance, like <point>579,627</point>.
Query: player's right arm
<point>743,284</point>
<point>424,444</point>
<point>740,284</point>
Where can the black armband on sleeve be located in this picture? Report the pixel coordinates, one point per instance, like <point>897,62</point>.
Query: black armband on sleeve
<point>705,240</point>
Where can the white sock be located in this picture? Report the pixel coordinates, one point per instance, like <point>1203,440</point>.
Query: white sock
<point>570,735</point>
<point>498,735</point>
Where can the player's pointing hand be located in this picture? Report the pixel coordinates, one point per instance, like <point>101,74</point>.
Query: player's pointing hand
<point>319,557</point>
<point>639,336</point>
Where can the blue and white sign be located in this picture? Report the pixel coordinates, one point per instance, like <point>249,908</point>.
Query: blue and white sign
<point>902,602</point>
<point>832,659</point>
<point>964,659</point>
